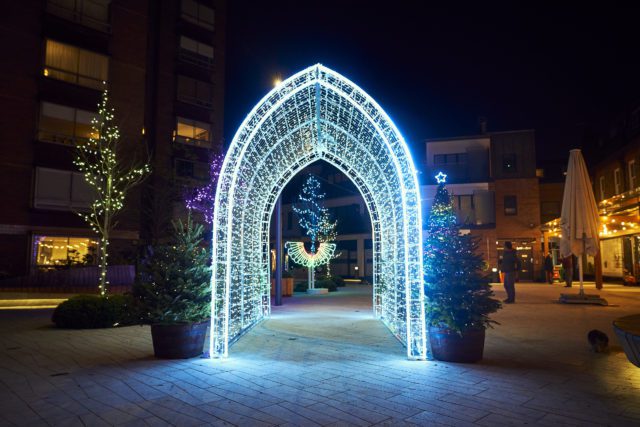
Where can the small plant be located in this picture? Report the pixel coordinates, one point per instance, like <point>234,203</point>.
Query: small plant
<point>301,287</point>
<point>94,311</point>
<point>173,285</point>
<point>286,274</point>
<point>326,282</point>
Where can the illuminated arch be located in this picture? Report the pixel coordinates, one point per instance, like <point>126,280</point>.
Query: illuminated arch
<point>316,114</point>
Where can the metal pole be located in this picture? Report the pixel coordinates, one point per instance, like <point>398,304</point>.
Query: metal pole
<point>278,290</point>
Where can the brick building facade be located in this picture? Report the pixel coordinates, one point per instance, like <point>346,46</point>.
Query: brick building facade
<point>163,64</point>
<point>496,192</point>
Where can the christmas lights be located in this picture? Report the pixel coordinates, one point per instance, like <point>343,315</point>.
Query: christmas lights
<point>202,198</point>
<point>314,219</point>
<point>109,177</point>
<point>314,115</point>
<point>299,254</point>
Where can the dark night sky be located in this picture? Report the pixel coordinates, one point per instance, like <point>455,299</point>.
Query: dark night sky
<point>435,70</point>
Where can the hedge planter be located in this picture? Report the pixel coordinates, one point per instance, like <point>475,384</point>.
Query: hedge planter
<point>181,341</point>
<point>449,346</point>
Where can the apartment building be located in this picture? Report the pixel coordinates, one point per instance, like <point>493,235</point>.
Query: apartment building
<point>493,180</point>
<point>163,64</point>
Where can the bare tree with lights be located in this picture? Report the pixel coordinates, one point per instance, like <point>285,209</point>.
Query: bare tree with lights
<point>314,218</point>
<point>110,177</point>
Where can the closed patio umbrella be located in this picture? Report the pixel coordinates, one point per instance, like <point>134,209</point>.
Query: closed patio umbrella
<point>579,222</point>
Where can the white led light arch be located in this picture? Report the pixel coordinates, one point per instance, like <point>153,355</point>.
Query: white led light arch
<point>314,115</point>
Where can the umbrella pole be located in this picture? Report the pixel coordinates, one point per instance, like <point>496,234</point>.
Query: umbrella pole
<point>580,274</point>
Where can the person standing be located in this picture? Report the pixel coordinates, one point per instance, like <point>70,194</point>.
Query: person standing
<point>567,266</point>
<point>510,266</point>
<point>548,268</point>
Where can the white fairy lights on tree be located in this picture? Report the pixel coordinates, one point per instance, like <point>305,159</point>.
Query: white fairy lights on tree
<point>110,178</point>
<point>316,114</point>
<point>313,218</point>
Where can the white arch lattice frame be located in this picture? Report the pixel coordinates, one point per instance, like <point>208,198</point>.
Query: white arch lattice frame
<point>316,114</point>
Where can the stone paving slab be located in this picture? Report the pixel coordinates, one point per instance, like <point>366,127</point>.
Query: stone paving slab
<point>323,360</point>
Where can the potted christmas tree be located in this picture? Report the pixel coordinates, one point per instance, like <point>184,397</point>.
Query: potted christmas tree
<point>173,290</point>
<point>458,295</point>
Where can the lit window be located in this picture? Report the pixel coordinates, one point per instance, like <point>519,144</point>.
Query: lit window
<point>64,125</point>
<point>617,180</point>
<point>195,52</point>
<point>90,13</point>
<point>193,132</point>
<point>63,251</point>
<point>198,13</point>
<point>75,65</point>
<point>510,205</point>
<point>194,91</point>
<point>509,163</point>
<point>61,189</point>
<point>633,175</point>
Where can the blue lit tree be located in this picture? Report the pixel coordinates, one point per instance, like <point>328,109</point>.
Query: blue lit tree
<point>458,294</point>
<point>314,218</point>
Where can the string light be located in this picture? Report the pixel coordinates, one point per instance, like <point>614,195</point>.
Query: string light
<point>299,254</point>
<point>202,199</point>
<point>316,114</point>
<point>110,179</point>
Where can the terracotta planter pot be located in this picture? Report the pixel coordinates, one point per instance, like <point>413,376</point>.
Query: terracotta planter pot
<point>287,287</point>
<point>448,346</point>
<point>181,341</point>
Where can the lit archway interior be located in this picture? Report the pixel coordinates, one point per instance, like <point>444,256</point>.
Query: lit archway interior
<point>317,114</point>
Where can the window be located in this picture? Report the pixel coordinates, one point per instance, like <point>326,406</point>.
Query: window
<point>633,175</point>
<point>289,220</point>
<point>465,208</point>
<point>60,189</point>
<point>190,169</point>
<point>617,180</point>
<point>510,163</point>
<point>195,52</point>
<point>193,132</point>
<point>74,65</point>
<point>602,187</point>
<point>51,251</point>
<point>90,13</point>
<point>194,91</point>
<point>64,125</point>
<point>450,159</point>
<point>510,205</point>
<point>198,13</point>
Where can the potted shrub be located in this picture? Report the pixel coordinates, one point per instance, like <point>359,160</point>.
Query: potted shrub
<point>173,289</point>
<point>458,295</point>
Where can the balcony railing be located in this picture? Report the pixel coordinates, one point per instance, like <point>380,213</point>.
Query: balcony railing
<point>75,78</point>
<point>195,58</point>
<point>75,15</point>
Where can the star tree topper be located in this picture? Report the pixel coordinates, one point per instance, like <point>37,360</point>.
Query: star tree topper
<point>441,178</point>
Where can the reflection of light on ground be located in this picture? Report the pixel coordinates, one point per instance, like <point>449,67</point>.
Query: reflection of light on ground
<point>27,307</point>
<point>30,303</point>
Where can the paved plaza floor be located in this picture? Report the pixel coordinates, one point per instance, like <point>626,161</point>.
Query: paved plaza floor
<point>324,360</point>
